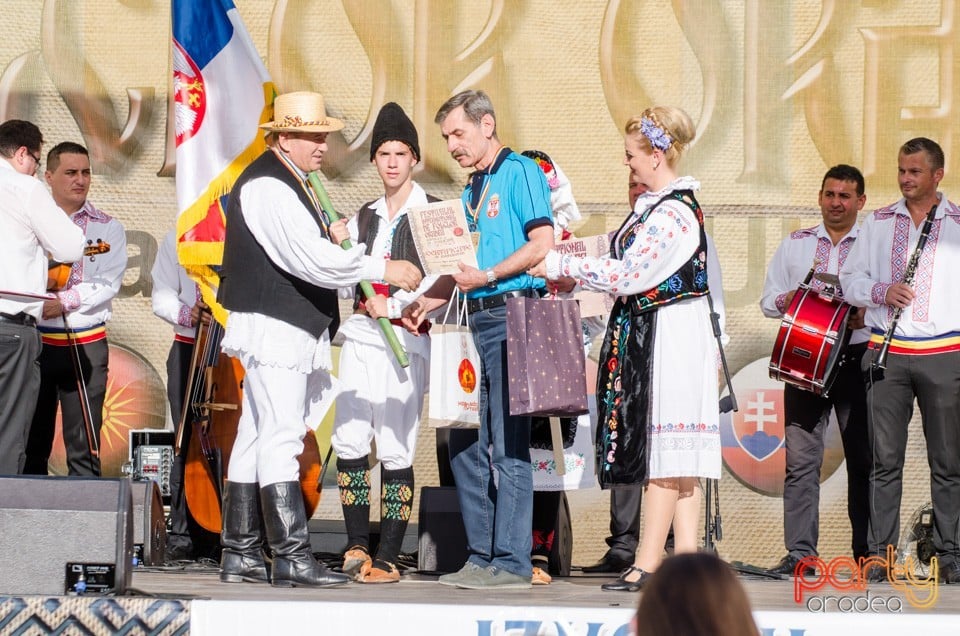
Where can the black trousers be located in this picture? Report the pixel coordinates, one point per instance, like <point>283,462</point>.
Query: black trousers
<point>624,521</point>
<point>934,380</point>
<point>178,371</point>
<point>58,385</point>
<point>807,417</point>
<point>185,533</point>
<point>19,384</point>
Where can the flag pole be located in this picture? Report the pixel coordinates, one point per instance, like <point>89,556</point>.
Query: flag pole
<point>388,333</point>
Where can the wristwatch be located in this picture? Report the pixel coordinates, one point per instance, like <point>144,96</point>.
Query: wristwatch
<point>491,278</point>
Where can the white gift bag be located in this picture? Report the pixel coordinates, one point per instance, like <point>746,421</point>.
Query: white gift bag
<point>571,469</point>
<point>454,373</point>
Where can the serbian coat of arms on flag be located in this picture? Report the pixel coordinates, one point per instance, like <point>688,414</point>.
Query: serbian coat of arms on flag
<point>221,94</point>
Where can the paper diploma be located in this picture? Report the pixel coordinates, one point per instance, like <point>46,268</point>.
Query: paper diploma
<point>442,236</point>
<point>591,303</point>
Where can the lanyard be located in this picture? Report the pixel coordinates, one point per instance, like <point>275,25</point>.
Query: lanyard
<point>475,211</point>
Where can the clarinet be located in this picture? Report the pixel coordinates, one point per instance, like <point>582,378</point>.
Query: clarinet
<point>880,362</point>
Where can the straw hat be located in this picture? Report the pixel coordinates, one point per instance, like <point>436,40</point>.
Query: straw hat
<point>302,111</point>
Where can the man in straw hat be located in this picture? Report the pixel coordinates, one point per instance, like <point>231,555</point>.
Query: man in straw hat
<point>281,268</point>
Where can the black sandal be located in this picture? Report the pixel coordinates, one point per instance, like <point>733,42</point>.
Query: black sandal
<point>623,585</point>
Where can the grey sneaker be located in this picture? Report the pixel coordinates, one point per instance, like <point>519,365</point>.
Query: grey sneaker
<point>493,577</point>
<point>453,579</point>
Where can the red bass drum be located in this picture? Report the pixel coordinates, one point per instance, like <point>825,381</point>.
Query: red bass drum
<point>812,335</point>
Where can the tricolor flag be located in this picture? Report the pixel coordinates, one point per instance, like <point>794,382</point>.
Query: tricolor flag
<point>222,92</point>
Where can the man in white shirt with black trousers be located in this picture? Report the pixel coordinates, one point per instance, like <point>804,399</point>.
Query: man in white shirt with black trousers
<point>33,228</point>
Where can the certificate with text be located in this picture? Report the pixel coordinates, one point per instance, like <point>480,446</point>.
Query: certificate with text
<point>591,303</point>
<point>442,236</point>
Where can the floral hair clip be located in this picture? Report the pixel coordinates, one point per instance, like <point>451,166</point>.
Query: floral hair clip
<point>546,165</point>
<point>657,137</point>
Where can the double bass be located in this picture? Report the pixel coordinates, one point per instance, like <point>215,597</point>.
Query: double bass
<point>213,405</point>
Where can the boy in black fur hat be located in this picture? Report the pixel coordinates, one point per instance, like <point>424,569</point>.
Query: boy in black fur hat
<point>381,400</point>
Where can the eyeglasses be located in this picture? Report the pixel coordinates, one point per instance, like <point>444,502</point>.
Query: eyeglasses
<point>36,158</point>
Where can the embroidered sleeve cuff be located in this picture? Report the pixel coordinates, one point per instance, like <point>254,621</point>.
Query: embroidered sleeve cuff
<point>183,318</point>
<point>552,261</point>
<point>879,293</point>
<point>70,299</point>
<point>781,303</point>
<point>393,308</point>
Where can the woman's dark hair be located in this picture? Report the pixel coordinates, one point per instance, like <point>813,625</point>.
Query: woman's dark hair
<point>693,595</point>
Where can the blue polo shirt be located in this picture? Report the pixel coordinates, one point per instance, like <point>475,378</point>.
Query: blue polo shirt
<point>510,198</point>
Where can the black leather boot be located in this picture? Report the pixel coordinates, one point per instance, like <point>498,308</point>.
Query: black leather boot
<point>241,560</point>
<point>285,519</point>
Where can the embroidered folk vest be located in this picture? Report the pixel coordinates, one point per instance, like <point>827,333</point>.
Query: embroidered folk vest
<point>402,247</point>
<point>689,281</point>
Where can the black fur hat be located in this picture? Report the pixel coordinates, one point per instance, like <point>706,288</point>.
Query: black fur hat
<point>393,125</point>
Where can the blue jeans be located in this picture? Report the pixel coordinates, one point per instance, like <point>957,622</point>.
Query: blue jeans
<point>497,517</point>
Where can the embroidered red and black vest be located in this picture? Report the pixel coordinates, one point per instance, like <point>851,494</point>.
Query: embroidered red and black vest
<point>689,281</point>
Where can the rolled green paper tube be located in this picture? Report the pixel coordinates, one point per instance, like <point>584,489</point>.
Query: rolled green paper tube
<point>388,333</point>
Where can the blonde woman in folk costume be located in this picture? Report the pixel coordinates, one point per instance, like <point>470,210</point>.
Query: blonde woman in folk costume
<point>658,419</point>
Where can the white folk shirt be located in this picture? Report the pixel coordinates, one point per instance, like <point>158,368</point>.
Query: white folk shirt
<point>364,329</point>
<point>33,228</point>
<point>174,292</point>
<point>293,241</point>
<point>95,279</point>
<point>879,258</point>
<point>628,272</point>
<point>797,254</point>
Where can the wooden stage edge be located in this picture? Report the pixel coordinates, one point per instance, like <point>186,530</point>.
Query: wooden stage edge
<point>190,599</point>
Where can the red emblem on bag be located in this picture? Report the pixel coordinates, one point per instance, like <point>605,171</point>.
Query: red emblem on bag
<point>467,376</point>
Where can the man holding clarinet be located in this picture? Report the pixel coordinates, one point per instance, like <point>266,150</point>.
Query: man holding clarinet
<point>281,269</point>
<point>902,268</point>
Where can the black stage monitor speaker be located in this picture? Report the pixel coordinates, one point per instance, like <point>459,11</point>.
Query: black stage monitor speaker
<point>63,535</point>
<point>442,538</point>
<point>149,524</point>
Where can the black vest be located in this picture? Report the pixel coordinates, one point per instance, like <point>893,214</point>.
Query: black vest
<point>402,247</point>
<point>249,280</point>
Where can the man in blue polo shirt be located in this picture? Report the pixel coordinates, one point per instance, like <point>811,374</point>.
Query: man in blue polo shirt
<point>508,204</point>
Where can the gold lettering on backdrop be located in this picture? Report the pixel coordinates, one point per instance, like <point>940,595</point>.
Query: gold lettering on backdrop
<point>708,35</point>
<point>110,142</point>
<point>443,67</point>
<point>747,236</point>
<point>141,254</point>
<point>822,87</point>
<point>920,61</point>
<point>18,84</point>
<point>379,31</point>
<point>766,116</point>
<point>430,61</point>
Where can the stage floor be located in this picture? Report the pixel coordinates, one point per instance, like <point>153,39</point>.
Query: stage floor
<point>191,599</point>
